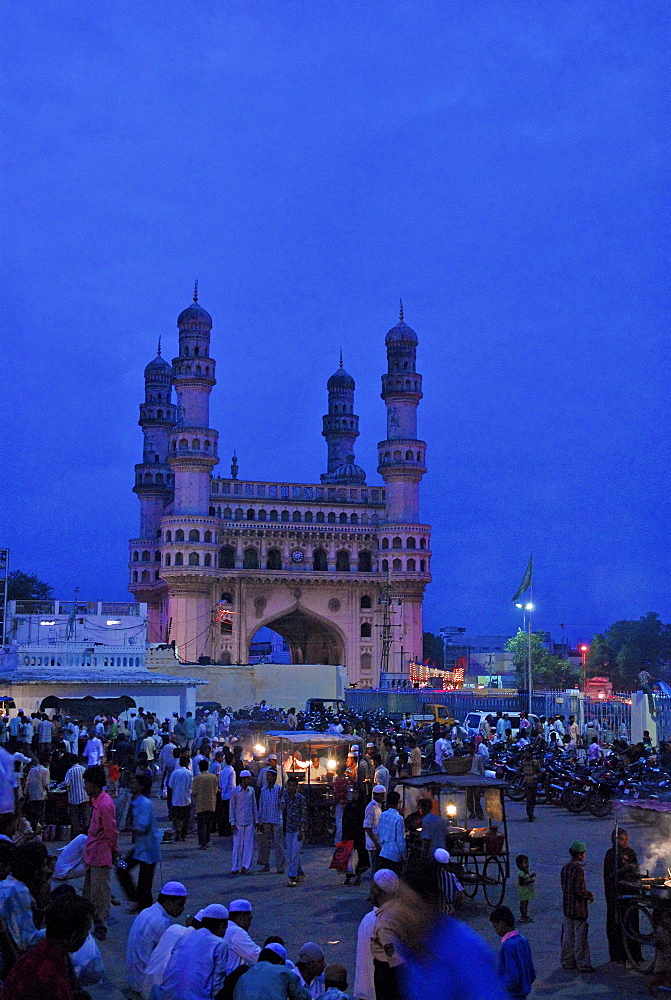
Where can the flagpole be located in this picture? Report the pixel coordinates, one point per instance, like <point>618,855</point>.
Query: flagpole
<point>531,682</point>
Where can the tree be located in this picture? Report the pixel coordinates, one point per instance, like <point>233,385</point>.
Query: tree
<point>548,669</point>
<point>432,649</point>
<point>626,647</point>
<point>26,587</point>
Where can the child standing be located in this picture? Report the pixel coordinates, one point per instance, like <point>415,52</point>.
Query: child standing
<point>662,941</point>
<point>516,967</point>
<point>526,881</point>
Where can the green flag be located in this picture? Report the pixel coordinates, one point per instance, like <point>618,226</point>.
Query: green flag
<point>526,580</point>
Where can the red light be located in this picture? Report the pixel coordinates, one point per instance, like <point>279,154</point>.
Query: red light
<point>584,649</point>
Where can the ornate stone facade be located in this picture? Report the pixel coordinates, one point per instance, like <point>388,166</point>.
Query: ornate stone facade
<point>310,560</point>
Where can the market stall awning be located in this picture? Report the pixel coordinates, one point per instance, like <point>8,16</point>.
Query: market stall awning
<point>454,781</point>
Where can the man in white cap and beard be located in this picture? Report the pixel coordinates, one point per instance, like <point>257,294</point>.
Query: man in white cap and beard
<point>197,967</point>
<point>148,928</point>
<point>384,942</point>
<point>243,818</point>
<point>310,968</point>
<point>271,765</point>
<point>242,950</point>
<point>160,956</point>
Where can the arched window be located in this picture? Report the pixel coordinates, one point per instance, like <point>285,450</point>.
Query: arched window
<point>167,559</point>
<point>387,456</point>
<point>419,456</point>
<point>354,519</point>
<point>410,543</point>
<point>168,536</point>
<point>183,444</point>
<point>195,444</point>
<point>342,561</point>
<point>397,566</point>
<point>228,513</point>
<point>366,602</point>
<point>207,537</point>
<point>179,559</point>
<point>365,561</point>
<point>239,513</point>
<point>194,535</point>
<point>194,559</point>
<point>207,559</point>
<point>320,561</point>
<point>208,446</point>
<point>273,515</point>
<point>227,557</point>
<point>159,414</point>
<point>250,559</point>
<point>146,556</point>
<point>157,556</point>
<point>397,543</point>
<point>331,518</point>
<point>296,516</point>
<point>366,630</point>
<point>196,351</point>
<point>226,597</point>
<point>284,516</point>
<point>385,543</point>
<point>147,478</point>
<point>158,478</point>
<point>251,514</point>
<point>262,515</point>
<point>274,560</point>
<point>422,543</point>
<point>343,518</point>
<point>157,574</point>
<point>145,576</point>
<point>422,565</point>
<point>385,566</point>
<point>179,535</point>
<point>397,456</point>
<point>134,576</point>
<point>320,517</point>
<point>308,517</point>
<point>136,556</point>
<point>410,566</point>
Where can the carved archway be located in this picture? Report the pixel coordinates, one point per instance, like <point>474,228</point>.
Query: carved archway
<point>311,639</point>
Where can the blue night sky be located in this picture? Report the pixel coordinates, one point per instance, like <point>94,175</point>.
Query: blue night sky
<point>501,166</point>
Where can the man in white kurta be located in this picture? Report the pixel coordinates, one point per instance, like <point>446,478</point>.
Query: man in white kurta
<point>197,967</point>
<point>364,982</point>
<point>242,949</point>
<point>160,956</point>
<point>147,930</point>
<point>243,818</point>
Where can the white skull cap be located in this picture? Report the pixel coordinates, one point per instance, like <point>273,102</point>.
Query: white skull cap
<point>441,855</point>
<point>379,788</point>
<point>386,880</point>
<point>240,906</point>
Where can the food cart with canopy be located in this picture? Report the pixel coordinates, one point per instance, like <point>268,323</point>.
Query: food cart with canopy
<point>479,853</point>
<point>294,751</point>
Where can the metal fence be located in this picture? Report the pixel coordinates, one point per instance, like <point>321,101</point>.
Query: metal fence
<point>612,715</point>
<point>663,720</point>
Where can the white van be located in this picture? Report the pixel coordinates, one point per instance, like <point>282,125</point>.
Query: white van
<point>473,721</point>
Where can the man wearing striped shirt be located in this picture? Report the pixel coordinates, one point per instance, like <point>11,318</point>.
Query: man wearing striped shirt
<point>271,806</point>
<point>78,800</point>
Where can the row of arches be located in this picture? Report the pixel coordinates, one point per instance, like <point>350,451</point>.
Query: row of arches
<point>184,351</point>
<point>156,478</point>
<point>286,517</point>
<point>398,456</point>
<point>145,576</point>
<point>194,535</point>
<point>198,370</point>
<point>195,444</point>
<point>410,566</point>
<point>146,556</point>
<point>397,542</point>
<point>274,560</point>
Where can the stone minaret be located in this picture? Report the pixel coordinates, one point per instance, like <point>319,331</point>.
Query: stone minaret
<point>153,479</point>
<point>341,429</point>
<point>402,456</point>
<point>193,443</point>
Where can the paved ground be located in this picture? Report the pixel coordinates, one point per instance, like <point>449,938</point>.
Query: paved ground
<point>321,909</point>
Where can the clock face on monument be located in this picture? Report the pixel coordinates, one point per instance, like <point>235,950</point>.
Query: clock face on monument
<point>297,556</point>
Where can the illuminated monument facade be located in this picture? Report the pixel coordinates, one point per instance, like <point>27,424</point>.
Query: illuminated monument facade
<point>316,562</point>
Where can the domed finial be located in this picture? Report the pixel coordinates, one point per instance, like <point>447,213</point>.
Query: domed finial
<point>195,291</point>
<point>400,312</point>
<point>341,357</point>
<point>158,349</point>
<point>234,465</point>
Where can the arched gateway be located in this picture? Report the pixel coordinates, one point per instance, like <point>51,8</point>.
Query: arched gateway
<point>302,558</point>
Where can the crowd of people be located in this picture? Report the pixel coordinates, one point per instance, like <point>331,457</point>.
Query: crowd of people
<point>115,774</point>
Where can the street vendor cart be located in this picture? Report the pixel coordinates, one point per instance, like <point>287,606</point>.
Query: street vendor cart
<point>295,750</point>
<point>479,853</point>
<point>644,896</point>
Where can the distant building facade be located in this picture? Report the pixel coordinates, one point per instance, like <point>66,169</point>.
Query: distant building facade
<point>308,560</point>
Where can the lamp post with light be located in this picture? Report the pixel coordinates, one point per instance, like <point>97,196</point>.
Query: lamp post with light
<point>583,654</point>
<point>528,607</point>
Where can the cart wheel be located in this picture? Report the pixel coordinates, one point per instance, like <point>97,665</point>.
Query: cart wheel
<point>638,926</point>
<point>494,881</point>
<point>470,878</point>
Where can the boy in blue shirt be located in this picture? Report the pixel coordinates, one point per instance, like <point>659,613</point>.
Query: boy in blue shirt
<point>516,967</point>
